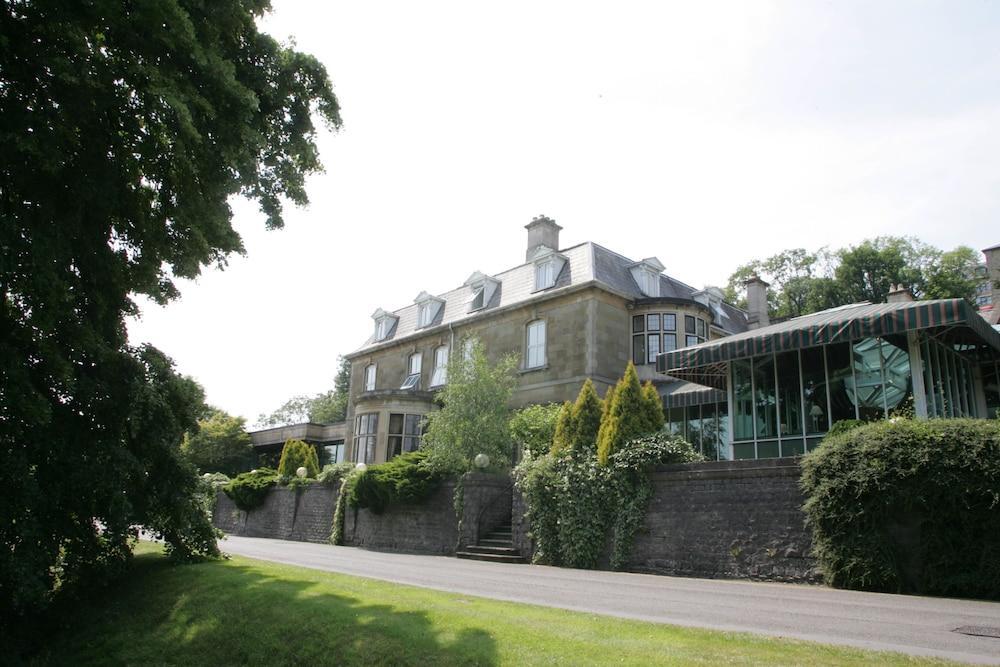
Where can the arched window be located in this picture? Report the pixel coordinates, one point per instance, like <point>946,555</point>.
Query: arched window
<point>440,375</point>
<point>535,347</point>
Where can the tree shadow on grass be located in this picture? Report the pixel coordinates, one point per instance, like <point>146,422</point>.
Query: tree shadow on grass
<point>230,614</point>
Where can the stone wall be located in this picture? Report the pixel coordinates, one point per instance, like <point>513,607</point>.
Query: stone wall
<point>738,519</point>
<point>428,528</point>
<point>305,516</point>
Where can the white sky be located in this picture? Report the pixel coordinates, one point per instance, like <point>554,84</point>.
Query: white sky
<point>705,134</point>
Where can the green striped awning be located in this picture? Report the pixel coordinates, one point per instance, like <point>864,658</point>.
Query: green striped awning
<point>683,394</point>
<point>829,326</point>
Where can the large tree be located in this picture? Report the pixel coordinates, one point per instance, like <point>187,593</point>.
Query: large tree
<point>126,128</point>
<point>220,443</point>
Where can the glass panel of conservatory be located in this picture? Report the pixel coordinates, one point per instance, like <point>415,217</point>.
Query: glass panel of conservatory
<point>767,449</point>
<point>789,395</point>
<point>868,379</point>
<point>742,401</point>
<point>675,421</point>
<point>896,372</point>
<point>765,398</point>
<point>841,382</point>
<point>743,450</point>
<point>709,432</point>
<point>725,447</point>
<point>991,387</point>
<point>930,392</point>
<point>694,426</point>
<point>814,390</point>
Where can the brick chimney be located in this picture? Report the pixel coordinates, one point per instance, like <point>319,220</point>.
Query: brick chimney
<point>993,273</point>
<point>757,303</point>
<point>542,231</point>
<point>899,293</point>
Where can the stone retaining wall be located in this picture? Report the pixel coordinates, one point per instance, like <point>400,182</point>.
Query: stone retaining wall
<point>305,516</point>
<point>738,519</point>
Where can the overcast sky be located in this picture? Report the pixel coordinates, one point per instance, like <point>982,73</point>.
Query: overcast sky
<point>705,134</point>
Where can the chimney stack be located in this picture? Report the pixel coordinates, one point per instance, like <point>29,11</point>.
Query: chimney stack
<point>757,303</point>
<point>899,293</point>
<point>542,231</point>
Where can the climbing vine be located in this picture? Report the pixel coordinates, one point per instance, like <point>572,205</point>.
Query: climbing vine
<point>577,507</point>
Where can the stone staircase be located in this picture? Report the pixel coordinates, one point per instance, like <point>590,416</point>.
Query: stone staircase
<point>497,547</point>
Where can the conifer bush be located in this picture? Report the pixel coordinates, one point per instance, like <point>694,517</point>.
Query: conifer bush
<point>562,439</point>
<point>586,422</point>
<point>407,478</point>
<point>298,454</point>
<point>908,506</point>
<point>626,418</point>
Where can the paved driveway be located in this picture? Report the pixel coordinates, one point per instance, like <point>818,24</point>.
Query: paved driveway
<point>916,625</point>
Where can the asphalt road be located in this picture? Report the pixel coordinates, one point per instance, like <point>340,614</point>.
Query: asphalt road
<point>908,624</point>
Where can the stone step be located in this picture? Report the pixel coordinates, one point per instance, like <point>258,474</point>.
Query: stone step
<point>492,558</point>
<point>498,542</point>
<point>487,549</point>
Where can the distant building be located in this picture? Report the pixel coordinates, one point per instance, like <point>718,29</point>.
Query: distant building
<point>988,290</point>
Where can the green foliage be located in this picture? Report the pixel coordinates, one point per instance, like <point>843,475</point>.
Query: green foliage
<point>652,407</point>
<point>220,443</point>
<point>954,275</point>
<point>534,427</point>
<point>575,505</point>
<point>408,478</point>
<point>587,413</point>
<point>298,454</point>
<point>625,419</point>
<point>562,438</point>
<point>324,408</point>
<point>332,473</point>
<point>802,282</point>
<point>340,511</point>
<point>127,130</point>
<point>843,426</point>
<point>474,416</point>
<point>908,506</point>
<point>249,489</point>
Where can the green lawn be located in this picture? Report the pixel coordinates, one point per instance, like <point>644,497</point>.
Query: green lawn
<point>244,611</point>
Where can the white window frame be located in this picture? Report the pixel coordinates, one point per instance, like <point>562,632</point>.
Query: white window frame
<point>382,329</point>
<point>425,315</point>
<point>371,371</point>
<point>535,350</point>
<point>413,365</point>
<point>439,377</point>
<point>545,274</point>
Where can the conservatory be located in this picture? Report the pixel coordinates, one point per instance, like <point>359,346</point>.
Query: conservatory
<point>779,388</point>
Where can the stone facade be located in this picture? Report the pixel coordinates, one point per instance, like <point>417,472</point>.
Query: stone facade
<point>588,313</point>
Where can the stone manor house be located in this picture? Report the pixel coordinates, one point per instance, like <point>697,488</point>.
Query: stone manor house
<point>733,384</point>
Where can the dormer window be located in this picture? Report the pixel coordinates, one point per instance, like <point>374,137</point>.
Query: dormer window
<point>428,308</point>
<point>385,323</point>
<point>647,276</point>
<point>483,288</point>
<point>548,265</point>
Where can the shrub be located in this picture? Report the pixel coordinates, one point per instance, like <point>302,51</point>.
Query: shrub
<point>626,418</point>
<point>652,407</point>
<point>561,440</point>
<point>404,479</point>
<point>248,490</point>
<point>219,443</point>
<point>298,454</point>
<point>534,427</point>
<point>587,412</point>
<point>908,506</point>
<point>334,472</point>
<point>843,426</point>
<point>575,504</point>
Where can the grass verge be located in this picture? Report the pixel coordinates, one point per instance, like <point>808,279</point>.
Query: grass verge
<point>244,611</point>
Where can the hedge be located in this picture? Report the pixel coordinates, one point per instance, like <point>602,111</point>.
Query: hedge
<point>908,506</point>
<point>248,490</point>
<point>403,479</point>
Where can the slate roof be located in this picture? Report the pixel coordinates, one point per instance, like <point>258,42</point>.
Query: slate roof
<point>586,263</point>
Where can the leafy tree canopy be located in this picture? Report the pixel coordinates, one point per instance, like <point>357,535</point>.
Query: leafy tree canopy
<point>220,443</point>
<point>803,282</point>
<point>474,417</point>
<point>126,129</point>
